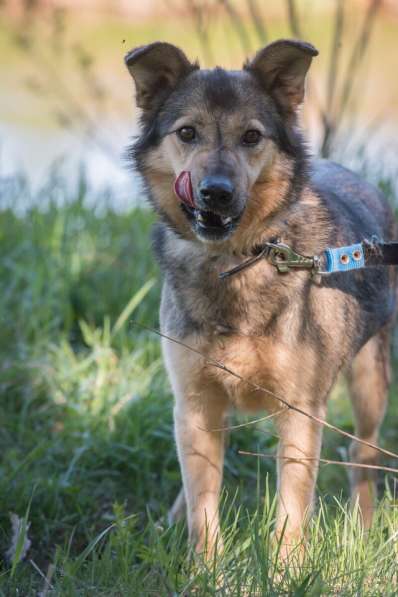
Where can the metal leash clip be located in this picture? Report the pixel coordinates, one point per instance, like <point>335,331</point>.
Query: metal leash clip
<point>284,258</point>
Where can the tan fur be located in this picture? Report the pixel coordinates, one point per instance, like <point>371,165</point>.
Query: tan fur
<point>254,323</point>
<point>204,394</point>
<point>265,173</point>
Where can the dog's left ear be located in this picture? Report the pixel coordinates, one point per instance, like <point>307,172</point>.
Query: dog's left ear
<point>157,69</point>
<point>281,67</point>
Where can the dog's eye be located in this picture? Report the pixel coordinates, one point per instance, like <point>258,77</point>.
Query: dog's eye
<point>251,137</point>
<point>186,134</point>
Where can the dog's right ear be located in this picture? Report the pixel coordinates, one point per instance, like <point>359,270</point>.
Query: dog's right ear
<point>157,69</point>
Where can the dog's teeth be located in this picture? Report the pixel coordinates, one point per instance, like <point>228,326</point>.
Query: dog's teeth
<point>226,220</point>
<point>199,217</point>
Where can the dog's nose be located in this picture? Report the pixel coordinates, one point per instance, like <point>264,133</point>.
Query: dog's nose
<point>216,189</point>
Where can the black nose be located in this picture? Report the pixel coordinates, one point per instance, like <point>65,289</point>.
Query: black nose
<point>216,189</point>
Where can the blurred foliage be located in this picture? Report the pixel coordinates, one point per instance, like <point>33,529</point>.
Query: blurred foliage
<point>330,106</point>
<point>83,106</point>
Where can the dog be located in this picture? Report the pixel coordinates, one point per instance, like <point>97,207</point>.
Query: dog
<point>234,138</point>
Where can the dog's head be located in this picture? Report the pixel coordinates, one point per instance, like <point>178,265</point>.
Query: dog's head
<point>215,135</point>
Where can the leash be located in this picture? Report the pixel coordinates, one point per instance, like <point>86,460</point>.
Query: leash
<point>367,253</point>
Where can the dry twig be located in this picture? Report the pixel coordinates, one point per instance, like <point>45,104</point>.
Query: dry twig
<point>257,21</point>
<point>198,16</point>
<point>238,25</point>
<point>329,119</point>
<point>294,21</point>
<point>223,367</point>
<point>389,469</point>
<point>358,55</point>
<point>253,422</point>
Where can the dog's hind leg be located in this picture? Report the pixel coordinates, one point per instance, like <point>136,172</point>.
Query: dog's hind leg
<point>368,381</point>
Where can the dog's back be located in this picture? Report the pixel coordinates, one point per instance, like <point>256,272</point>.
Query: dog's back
<point>355,206</point>
<point>357,211</point>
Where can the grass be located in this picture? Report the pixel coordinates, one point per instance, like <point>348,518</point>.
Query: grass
<point>88,460</point>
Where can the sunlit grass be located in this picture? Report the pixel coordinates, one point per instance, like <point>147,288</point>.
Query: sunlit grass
<point>86,438</point>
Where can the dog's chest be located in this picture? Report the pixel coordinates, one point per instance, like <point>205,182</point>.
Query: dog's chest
<point>249,323</point>
<point>254,369</point>
<point>253,303</point>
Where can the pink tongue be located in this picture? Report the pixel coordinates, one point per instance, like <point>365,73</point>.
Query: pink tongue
<point>183,188</point>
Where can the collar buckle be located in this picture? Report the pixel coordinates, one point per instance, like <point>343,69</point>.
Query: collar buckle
<point>284,258</point>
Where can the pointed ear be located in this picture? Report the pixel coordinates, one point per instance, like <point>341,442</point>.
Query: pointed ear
<point>156,70</point>
<point>281,67</point>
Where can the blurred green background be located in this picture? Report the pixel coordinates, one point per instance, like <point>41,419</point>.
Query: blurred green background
<point>88,463</point>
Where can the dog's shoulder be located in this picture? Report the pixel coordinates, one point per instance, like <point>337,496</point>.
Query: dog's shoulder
<point>357,209</point>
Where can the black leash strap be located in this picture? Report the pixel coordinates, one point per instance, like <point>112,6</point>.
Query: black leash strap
<point>378,253</point>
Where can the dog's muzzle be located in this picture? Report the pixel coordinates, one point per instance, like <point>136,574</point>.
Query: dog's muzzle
<point>206,223</point>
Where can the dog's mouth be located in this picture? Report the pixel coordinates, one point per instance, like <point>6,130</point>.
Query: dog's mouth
<point>208,224</point>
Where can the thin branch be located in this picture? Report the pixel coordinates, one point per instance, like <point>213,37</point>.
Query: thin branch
<point>258,21</point>
<point>294,21</point>
<point>311,90</point>
<point>248,423</point>
<point>357,56</point>
<point>202,31</point>
<point>220,365</point>
<point>389,469</point>
<point>238,25</point>
<point>329,122</point>
<point>335,55</point>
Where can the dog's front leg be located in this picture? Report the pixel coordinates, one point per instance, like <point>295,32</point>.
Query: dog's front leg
<point>201,455</point>
<point>298,454</point>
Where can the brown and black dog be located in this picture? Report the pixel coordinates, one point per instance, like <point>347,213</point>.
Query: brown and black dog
<point>237,134</point>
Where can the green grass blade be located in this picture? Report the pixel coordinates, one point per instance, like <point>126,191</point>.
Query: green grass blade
<point>133,303</point>
<point>21,540</point>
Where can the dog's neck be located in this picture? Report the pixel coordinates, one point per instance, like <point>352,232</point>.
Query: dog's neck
<point>281,204</point>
